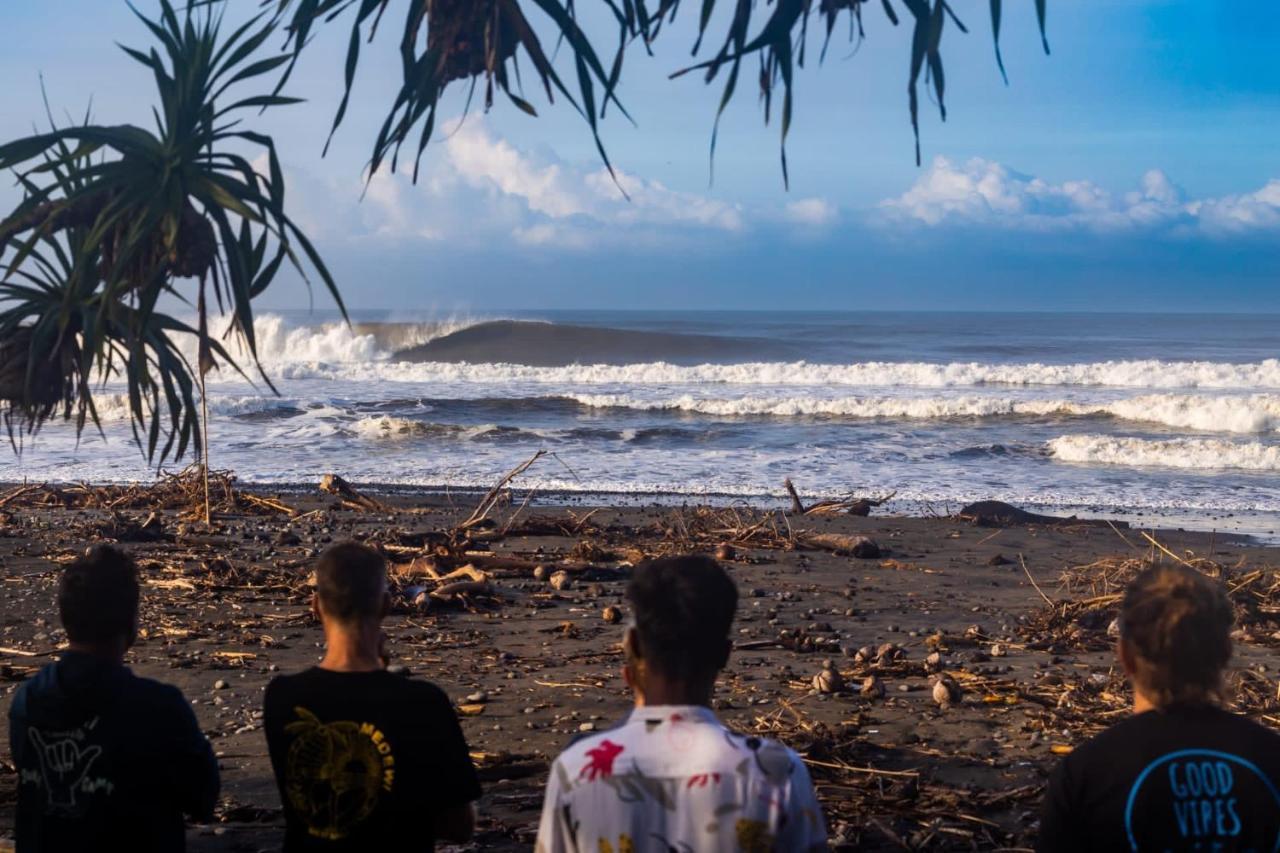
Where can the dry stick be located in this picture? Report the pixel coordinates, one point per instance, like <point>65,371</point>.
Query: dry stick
<point>491,497</point>
<point>1121,535</point>
<point>796,505</point>
<point>1153,541</point>
<point>984,540</point>
<point>1033,581</point>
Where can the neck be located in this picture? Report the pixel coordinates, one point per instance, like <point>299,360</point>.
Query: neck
<point>1141,704</point>
<point>106,652</point>
<point>351,648</point>
<point>659,691</point>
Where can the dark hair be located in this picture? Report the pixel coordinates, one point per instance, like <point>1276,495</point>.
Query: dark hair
<point>98,596</point>
<point>351,580</point>
<point>1176,625</point>
<point>683,609</point>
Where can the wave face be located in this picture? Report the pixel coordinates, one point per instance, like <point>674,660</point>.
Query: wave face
<point>1096,413</point>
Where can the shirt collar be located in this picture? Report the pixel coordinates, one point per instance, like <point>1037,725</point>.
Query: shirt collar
<point>685,713</point>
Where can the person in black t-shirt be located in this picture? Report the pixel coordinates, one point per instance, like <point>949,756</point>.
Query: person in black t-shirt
<point>106,760</point>
<point>1181,774</point>
<point>365,760</point>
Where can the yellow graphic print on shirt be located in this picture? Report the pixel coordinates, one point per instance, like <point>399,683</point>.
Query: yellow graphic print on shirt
<point>624,845</point>
<point>336,772</point>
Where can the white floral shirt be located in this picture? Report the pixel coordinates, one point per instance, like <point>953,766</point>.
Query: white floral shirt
<point>673,779</point>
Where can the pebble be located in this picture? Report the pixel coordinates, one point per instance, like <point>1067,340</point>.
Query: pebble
<point>478,696</point>
<point>220,685</point>
<point>587,727</point>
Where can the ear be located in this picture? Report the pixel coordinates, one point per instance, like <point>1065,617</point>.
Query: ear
<point>631,644</point>
<point>1125,655</point>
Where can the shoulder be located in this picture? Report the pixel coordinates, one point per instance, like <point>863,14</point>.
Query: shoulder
<point>156,693</point>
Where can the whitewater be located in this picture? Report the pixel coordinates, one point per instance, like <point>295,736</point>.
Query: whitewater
<point>1101,413</point>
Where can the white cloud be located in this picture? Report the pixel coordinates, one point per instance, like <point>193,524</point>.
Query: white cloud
<point>983,192</point>
<point>811,211</point>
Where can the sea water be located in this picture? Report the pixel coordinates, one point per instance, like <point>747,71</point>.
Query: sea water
<point>1159,419</point>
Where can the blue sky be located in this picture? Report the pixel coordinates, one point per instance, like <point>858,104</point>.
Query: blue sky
<point>1134,168</point>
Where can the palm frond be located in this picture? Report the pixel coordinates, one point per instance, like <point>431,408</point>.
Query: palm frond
<point>115,216</point>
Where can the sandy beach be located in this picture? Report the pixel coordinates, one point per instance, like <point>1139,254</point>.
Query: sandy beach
<point>531,657</point>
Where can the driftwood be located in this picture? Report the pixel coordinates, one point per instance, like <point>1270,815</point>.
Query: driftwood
<point>351,498</point>
<point>852,506</point>
<point>862,547</point>
<point>1001,514</point>
<point>491,498</point>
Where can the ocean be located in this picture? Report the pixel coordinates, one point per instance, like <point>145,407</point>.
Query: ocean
<point>1157,419</point>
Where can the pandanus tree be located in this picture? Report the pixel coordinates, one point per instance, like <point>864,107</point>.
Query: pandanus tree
<point>115,217</point>
<point>474,41</point>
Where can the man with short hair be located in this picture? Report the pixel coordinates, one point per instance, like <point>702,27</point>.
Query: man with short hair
<point>106,760</point>
<point>365,760</point>
<point>671,774</point>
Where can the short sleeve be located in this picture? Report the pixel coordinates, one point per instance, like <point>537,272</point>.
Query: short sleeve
<point>455,783</point>
<point>805,829</point>
<point>1058,823</point>
<point>554,833</point>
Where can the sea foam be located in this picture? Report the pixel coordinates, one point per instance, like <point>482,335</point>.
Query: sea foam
<point>1185,453</point>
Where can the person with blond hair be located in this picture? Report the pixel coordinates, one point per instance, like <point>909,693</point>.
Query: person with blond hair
<point>1182,773</point>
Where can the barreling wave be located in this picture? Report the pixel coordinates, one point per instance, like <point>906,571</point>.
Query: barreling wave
<point>1153,374</point>
<point>1200,454</point>
<point>1256,413</point>
<point>282,342</point>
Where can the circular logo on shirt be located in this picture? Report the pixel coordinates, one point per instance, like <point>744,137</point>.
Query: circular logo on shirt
<point>336,773</point>
<point>1202,799</point>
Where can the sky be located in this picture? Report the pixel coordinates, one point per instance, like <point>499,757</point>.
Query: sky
<point>1134,168</point>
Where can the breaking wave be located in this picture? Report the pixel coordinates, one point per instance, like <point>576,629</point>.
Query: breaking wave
<point>1256,413</point>
<point>1118,374</point>
<point>1186,453</point>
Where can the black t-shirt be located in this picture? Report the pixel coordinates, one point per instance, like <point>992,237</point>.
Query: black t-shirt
<point>1181,779</point>
<point>106,760</point>
<point>364,760</point>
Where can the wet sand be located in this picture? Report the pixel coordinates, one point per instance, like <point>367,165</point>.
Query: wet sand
<point>226,608</point>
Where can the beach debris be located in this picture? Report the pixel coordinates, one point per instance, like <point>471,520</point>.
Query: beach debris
<point>997,650</point>
<point>851,506</point>
<point>612,614</point>
<point>495,495</point>
<point>351,498</point>
<point>829,680</point>
<point>866,654</point>
<point>887,653</point>
<point>725,553</point>
<point>861,547</point>
<point>946,691</point>
<point>561,580</point>
<point>872,687</point>
<point>933,662</point>
<point>417,595</point>
<point>999,560</point>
